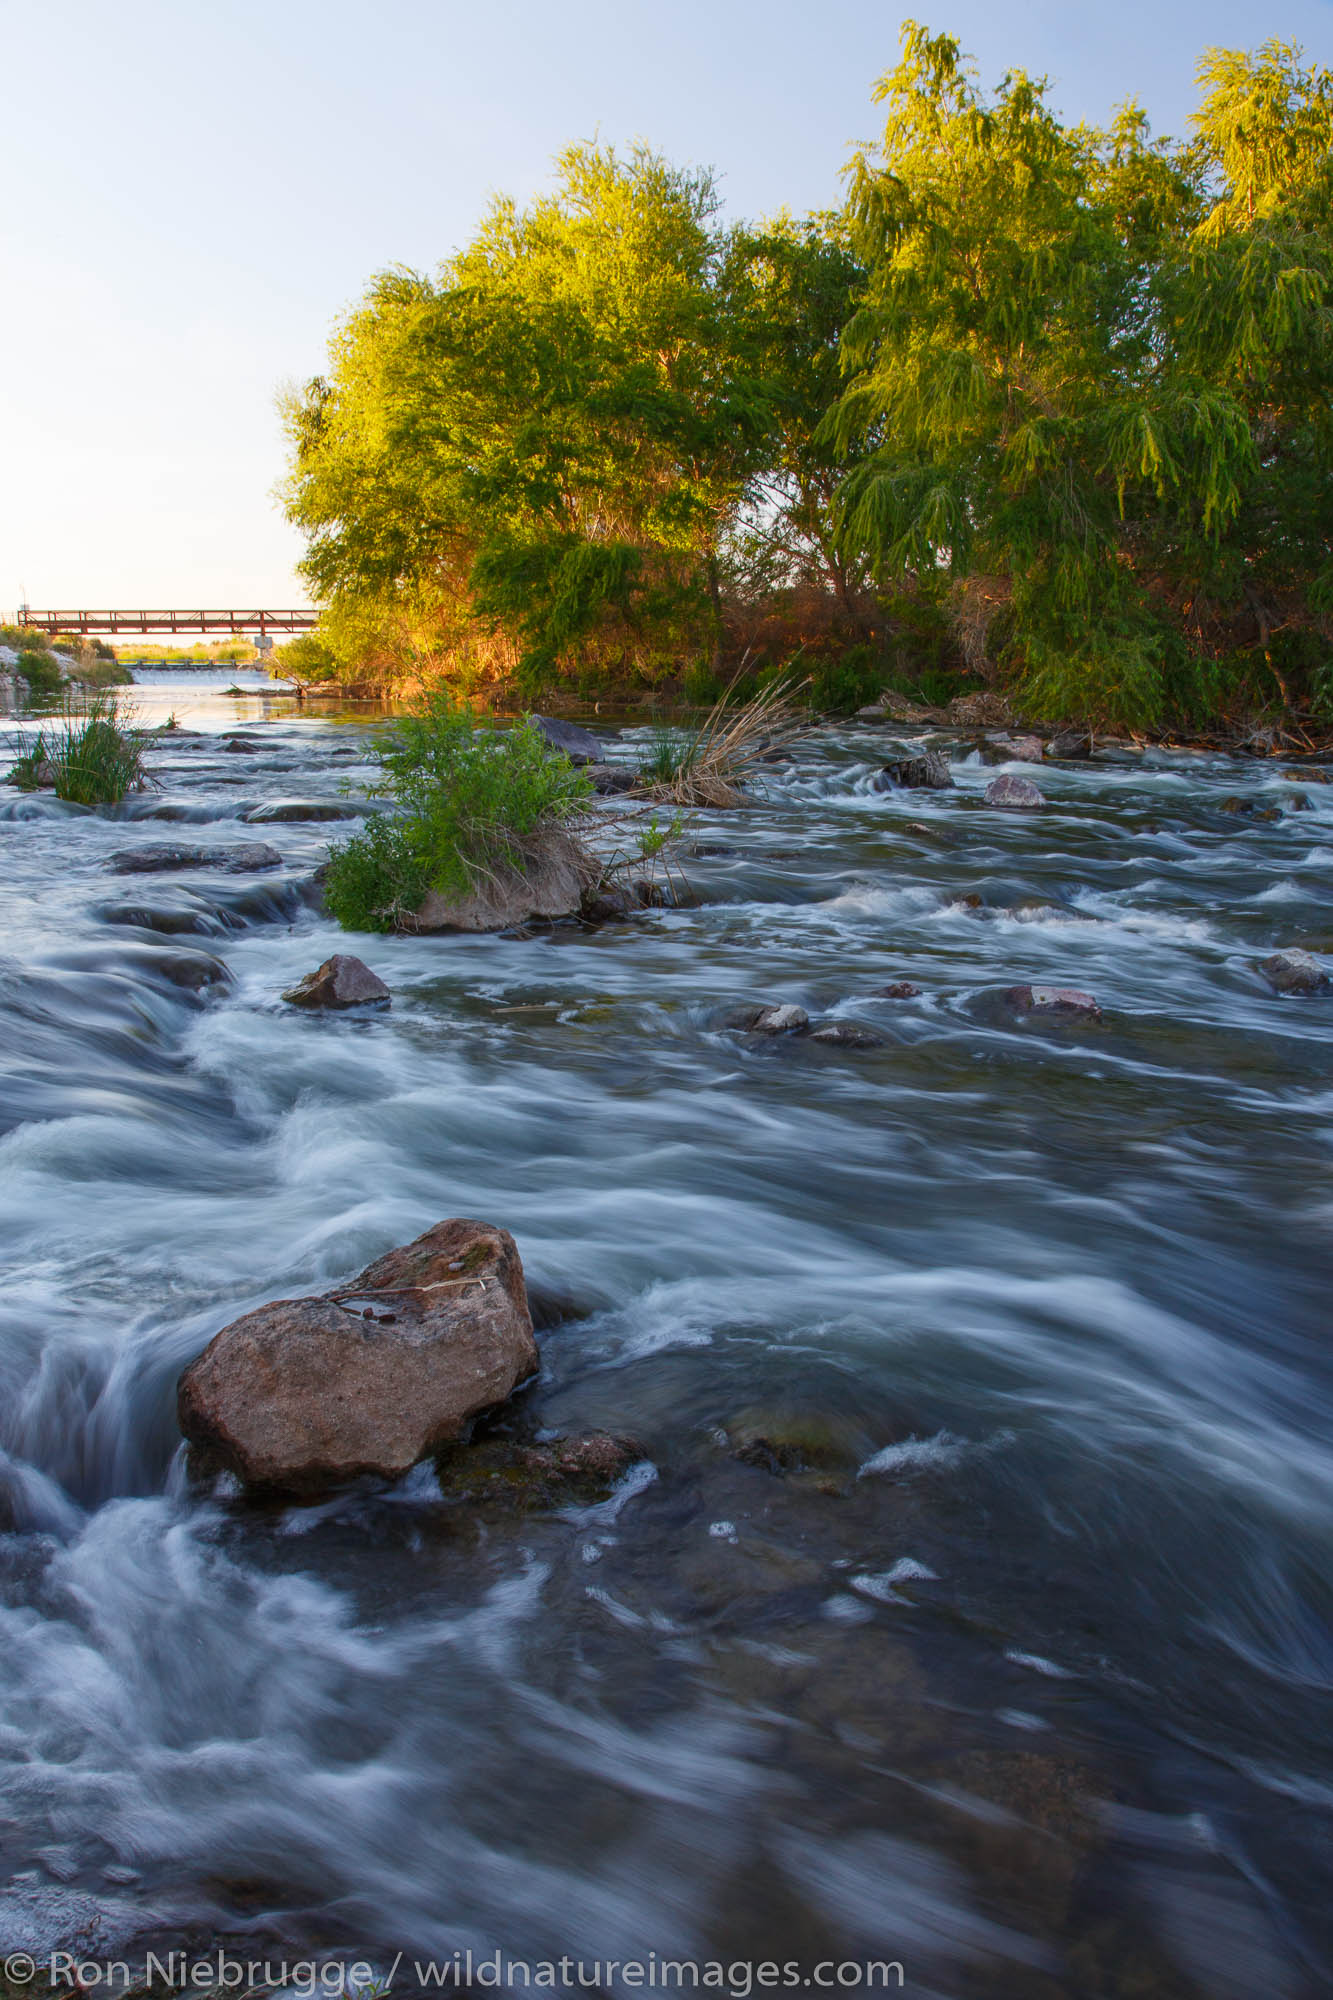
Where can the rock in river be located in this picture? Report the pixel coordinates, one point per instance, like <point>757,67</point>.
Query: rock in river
<point>557,874</point>
<point>1294,972</point>
<point>284,811</point>
<point>251,857</point>
<point>1017,794</point>
<point>927,773</point>
<point>342,981</point>
<point>1068,1001</point>
<point>847,1035</point>
<point>579,745</point>
<point>371,1377</point>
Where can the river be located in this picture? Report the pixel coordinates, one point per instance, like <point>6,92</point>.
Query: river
<point>972,1603</point>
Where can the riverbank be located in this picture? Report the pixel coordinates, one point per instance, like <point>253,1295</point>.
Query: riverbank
<point>968,1602</point>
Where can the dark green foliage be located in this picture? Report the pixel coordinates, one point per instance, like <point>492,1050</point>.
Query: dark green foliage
<point>1090,381</point>
<point>840,686</point>
<point>40,672</point>
<point>466,797</point>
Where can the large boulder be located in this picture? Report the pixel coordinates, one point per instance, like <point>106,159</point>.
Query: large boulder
<point>579,745</point>
<point>342,981</point>
<point>370,1377</point>
<point>556,875</point>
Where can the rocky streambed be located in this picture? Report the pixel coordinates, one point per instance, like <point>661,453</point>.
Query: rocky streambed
<point>915,1542</point>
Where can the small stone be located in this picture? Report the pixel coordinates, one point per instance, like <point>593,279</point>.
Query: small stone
<point>900,989</point>
<point>610,779</point>
<point>1294,971</point>
<point>1003,748</point>
<point>342,981</point>
<point>1015,794</point>
<point>1069,1001</point>
<point>607,906</point>
<point>1299,802</point>
<point>785,1020</point>
<point>1312,776</point>
<point>926,773</point>
<point>1069,745</point>
<point>579,745</point>
<point>847,1035</point>
<point>243,745</point>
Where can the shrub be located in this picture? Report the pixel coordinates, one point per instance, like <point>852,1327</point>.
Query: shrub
<point>93,758</point>
<point>470,797</point>
<point>40,671</point>
<point>24,639</point>
<point>96,672</point>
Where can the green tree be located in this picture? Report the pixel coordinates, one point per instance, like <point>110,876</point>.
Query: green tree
<point>1090,378</point>
<point>548,442</point>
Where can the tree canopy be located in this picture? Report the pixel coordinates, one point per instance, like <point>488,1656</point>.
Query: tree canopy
<point>1065,390</point>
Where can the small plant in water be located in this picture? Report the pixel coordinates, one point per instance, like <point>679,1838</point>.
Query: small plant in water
<point>88,753</point>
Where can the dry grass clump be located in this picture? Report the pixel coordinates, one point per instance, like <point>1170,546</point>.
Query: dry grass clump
<point>714,766</point>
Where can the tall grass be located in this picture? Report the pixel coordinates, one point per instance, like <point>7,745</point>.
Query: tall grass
<point>88,751</point>
<point>713,765</point>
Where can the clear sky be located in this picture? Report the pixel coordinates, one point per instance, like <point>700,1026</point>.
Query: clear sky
<point>193,190</point>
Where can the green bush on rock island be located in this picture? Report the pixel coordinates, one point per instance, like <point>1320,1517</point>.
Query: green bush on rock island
<point>471,804</point>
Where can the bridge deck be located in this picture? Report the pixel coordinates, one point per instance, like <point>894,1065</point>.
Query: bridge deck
<point>237,623</point>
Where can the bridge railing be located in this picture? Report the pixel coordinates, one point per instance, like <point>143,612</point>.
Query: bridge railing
<point>236,623</point>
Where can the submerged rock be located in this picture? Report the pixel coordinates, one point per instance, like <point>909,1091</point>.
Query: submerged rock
<point>368,1378</point>
<point>342,981</point>
<point>1294,971</point>
<point>1069,1001</point>
<point>1240,808</point>
<point>556,876</point>
<point>251,857</point>
<point>561,1472</point>
<point>579,745</point>
<point>847,1035</point>
<point>1016,794</point>
<point>900,989</point>
<point>281,812</point>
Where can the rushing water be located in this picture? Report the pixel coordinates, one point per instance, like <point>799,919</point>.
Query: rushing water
<point>1013,1662</point>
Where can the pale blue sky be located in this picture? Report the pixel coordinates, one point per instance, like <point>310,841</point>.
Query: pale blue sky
<point>193,192</point>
